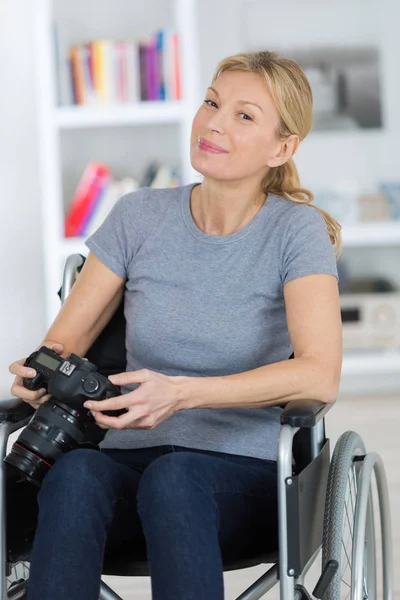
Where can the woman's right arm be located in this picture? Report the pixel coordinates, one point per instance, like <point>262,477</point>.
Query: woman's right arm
<point>92,301</point>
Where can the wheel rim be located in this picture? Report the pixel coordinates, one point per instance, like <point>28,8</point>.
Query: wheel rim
<point>346,559</point>
<point>345,565</point>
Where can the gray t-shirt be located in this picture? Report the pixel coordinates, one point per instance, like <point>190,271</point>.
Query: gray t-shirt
<point>202,305</point>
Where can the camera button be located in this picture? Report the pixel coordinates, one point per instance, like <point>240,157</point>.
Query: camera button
<point>91,385</point>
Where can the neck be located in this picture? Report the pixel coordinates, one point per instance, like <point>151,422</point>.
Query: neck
<point>218,210</point>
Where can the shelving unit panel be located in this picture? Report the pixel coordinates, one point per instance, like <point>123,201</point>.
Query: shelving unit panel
<point>372,234</point>
<point>143,113</point>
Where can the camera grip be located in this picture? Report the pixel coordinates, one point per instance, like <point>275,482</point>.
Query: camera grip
<point>33,383</point>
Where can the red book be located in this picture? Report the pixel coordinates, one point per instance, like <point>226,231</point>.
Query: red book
<point>84,197</point>
<point>176,67</point>
<point>95,195</point>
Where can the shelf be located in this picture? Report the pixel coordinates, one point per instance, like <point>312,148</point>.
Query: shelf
<point>359,362</point>
<point>377,233</point>
<point>142,113</point>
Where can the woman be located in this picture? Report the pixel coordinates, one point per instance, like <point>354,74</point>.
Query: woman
<point>222,280</point>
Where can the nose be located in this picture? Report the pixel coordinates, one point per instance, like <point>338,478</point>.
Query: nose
<point>215,123</point>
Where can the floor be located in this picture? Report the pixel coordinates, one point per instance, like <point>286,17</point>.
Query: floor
<point>377,420</point>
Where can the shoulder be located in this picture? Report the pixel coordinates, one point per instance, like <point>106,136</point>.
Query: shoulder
<point>148,204</point>
<point>152,196</point>
<point>293,216</point>
<point>292,210</point>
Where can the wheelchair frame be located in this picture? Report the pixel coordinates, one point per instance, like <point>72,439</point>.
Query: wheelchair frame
<point>300,528</point>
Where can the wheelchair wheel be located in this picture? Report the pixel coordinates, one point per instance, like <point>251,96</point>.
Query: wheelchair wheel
<point>340,524</point>
<point>17,576</point>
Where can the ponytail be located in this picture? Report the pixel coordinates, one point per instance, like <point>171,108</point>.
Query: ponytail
<point>284,181</point>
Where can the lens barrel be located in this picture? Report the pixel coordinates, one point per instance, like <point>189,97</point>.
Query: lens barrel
<point>54,429</point>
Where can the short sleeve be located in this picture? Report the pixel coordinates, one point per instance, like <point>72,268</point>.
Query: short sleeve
<point>307,248</point>
<point>112,242</point>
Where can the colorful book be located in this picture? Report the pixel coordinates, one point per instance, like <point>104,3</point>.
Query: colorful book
<point>77,74</point>
<point>107,71</point>
<point>85,197</point>
<point>160,36</point>
<point>176,67</point>
<point>143,71</point>
<point>95,197</point>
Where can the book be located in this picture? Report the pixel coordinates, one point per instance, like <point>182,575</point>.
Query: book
<point>78,77</point>
<point>106,72</point>
<point>85,197</point>
<point>161,48</point>
<point>152,65</point>
<point>133,71</point>
<point>94,198</point>
<point>176,67</point>
<point>143,71</point>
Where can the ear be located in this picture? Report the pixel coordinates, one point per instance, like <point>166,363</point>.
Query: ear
<point>285,151</point>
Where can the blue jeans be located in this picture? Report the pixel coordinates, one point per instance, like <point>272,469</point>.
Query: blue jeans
<point>189,510</point>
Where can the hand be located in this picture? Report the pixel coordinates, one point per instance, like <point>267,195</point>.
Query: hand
<point>34,398</point>
<point>158,397</point>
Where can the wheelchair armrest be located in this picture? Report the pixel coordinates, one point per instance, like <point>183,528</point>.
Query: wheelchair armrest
<point>14,410</point>
<point>304,413</point>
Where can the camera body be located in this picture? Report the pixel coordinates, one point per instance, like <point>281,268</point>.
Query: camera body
<point>59,425</point>
<point>70,380</point>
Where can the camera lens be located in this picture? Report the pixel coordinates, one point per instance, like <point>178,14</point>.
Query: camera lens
<point>54,429</point>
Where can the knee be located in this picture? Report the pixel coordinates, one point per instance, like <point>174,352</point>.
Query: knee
<point>172,483</point>
<point>80,471</point>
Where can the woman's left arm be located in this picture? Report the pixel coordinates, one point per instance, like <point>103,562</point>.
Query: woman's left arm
<point>315,329</point>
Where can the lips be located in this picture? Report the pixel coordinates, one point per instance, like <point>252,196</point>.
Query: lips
<point>207,145</point>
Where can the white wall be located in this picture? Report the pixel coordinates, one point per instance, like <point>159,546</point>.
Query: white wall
<point>21,273</point>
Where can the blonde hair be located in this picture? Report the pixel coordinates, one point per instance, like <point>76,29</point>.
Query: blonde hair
<point>292,95</point>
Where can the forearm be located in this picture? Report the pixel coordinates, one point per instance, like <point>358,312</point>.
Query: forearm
<point>295,379</point>
<point>76,332</point>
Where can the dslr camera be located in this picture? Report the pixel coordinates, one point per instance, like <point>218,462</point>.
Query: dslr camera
<point>59,425</point>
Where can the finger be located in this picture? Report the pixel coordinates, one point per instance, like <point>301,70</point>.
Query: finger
<point>59,348</point>
<point>31,395</point>
<point>15,365</point>
<point>17,368</point>
<point>123,401</point>
<point>121,422</point>
<point>107,422</point>
<point>27,372</point>
<point>130,377</point>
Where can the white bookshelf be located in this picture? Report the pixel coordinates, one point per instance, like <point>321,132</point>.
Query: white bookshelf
<point>55,122</point>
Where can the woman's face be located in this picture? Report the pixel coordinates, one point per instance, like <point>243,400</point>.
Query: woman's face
<point>238,114</point>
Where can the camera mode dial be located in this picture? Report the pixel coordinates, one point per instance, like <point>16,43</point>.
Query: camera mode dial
<point>91,385</point>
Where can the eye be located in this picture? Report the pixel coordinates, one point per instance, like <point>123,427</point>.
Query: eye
<point>246,115</point>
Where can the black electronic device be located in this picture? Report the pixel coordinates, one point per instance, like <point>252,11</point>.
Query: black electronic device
<point>58,425</point>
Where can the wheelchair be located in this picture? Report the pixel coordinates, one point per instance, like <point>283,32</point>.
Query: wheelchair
<point>322,502</point>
